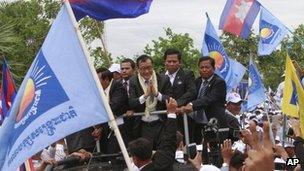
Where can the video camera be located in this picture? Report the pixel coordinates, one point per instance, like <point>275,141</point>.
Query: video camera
<point>213,134</point>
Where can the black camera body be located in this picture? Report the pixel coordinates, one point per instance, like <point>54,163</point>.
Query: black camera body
<point>211,133</point>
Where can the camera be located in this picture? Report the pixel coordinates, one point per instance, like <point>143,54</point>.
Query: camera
<point>211,132</point>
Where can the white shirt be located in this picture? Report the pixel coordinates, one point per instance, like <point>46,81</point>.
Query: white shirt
<point>171,76</point>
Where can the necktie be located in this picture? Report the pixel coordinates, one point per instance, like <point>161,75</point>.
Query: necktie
<point>200,115</point>
<point>202,89</point>
<point>125,85</point>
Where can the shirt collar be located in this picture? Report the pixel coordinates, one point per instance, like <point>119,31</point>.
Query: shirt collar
<point>173,75</point>
<point>123,81</point>
<point>208,80</point>
<point>229,113</point>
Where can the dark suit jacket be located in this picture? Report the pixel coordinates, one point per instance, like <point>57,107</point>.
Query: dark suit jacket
<point>118,98</point>
<point>163,158</point>
<point>183,88</point>
<point>213,102</point>
<point>232,122</point>
<point>135,91</point>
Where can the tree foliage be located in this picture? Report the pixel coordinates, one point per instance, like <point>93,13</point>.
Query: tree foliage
<point>183,42</point>
<point>271,67</point>
<point>31,23</point>
<point>26,24</point>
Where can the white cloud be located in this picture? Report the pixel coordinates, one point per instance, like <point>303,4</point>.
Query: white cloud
<point>129,36</point>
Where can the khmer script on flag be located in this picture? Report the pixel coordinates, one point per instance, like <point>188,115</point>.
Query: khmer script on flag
<point>57,97</point>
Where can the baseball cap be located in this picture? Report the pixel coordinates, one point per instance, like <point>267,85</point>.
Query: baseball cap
<point>234,98</point>
<point>115,68</point>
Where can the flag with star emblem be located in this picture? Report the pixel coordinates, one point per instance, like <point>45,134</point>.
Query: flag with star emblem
<point>238,16</point>
<point>256,89</point>
<point>272,32</point>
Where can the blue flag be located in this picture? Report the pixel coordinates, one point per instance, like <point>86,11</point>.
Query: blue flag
<point>57,97</point>
<point>272,32</point>
<point>256,90</point>
<point>230,70</point>
<point>107,9</point>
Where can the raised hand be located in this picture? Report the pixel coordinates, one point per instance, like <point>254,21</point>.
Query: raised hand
<point>261,156</point>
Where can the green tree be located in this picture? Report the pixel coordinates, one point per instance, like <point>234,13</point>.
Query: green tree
<point>7,38</point>
<point>182,42</point>
<point>92,31</point>
<point>29,22</point>
<point>271,66</point>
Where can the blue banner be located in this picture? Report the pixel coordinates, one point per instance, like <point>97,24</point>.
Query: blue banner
<point>272,32</point>
<point>108,9</point>
<point>230,70</point>
<point>57,97</point>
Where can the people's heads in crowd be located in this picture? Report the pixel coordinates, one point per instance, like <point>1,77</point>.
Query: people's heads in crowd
<point>233,103</point>
<point>140,151</point>
<point>115,69</point>
<point>145,66</point>
<point>289,148</point>
<point>206,67</point>
<point>128,68</point>
<point>172,58</point>
<point>236,161</point>
<point>105,77</point>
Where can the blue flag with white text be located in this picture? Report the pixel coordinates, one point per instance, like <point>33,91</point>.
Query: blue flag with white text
<point>57,97</point>
<point>272,32</point>
<point>230,70</point>
<point>256,89</point>
<point>107,9</point>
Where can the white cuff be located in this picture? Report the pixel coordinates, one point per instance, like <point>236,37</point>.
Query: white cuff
<point>159,96</point>
<point>172,115</point>
<point>142,99</point>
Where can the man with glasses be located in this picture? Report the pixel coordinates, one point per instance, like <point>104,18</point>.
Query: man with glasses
<point>148,92</point>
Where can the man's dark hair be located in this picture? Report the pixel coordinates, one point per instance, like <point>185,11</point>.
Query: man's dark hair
<point>130,61</point>
<point>207,58</point>
<point>143,58</point>
<point>172,51</point>
<point>141,148</point>
<point>237,160</point>
<point>105,73</point>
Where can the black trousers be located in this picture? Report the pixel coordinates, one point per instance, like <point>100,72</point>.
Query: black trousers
<point>152,131</point>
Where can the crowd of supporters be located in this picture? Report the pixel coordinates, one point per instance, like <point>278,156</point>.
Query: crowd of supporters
<point>225,138</point>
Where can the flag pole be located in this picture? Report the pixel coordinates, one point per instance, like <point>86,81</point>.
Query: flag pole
<point>112,121</point>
